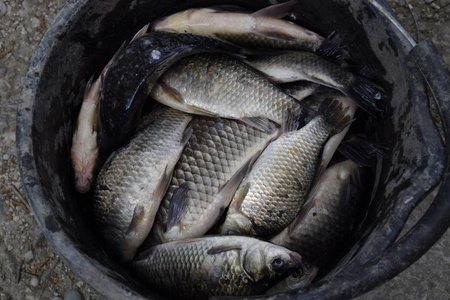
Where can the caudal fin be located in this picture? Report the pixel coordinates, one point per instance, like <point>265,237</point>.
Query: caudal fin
<point>332,48</point>
<point>363,152</point>
<point>335,114</point>
<point>365,93</point>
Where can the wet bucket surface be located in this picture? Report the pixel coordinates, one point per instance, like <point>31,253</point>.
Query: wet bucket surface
<point>86,34</point>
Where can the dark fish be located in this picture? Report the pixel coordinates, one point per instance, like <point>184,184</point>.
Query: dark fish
<point>328,217</point>
<point>215,266</point>
<point>132,76</point>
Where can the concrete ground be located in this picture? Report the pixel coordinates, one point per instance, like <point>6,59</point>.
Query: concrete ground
<point>30,269</point>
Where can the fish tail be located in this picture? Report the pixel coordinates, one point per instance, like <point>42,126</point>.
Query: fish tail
<point>335,114</point>
<point>365,93</point>
<point>332,48</point>
<point>364,152</point>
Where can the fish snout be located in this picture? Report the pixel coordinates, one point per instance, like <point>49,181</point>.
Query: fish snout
<point>83,183</point>
<point>296,260</point>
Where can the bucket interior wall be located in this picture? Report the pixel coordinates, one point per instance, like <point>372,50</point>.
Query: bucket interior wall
<point>87,37</point>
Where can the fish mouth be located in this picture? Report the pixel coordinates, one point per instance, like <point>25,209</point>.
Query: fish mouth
<point>83,184</point>
<point>296,259</point>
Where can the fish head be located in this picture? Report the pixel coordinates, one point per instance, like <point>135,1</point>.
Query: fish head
<point>83,181</point>
<point>299,278</point>
<point>179,22</point>
<point>302,276</point>
<point>265,262</point>
<point>84,170</point>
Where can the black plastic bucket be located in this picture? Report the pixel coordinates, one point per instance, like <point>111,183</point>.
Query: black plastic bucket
<point>85,35</point>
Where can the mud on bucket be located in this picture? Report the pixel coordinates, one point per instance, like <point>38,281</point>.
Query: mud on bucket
<point>86,34</point>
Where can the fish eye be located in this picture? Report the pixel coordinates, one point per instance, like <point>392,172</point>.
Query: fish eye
<point>277,264</point>
<point>297,273</point>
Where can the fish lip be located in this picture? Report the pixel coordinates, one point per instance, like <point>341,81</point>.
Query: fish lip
<point>297,259</point>
<point>83,184</point>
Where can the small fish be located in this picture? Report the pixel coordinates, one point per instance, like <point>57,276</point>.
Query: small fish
<point>293,66</point>
<point>215,266</point>
<point>263,28</point>
<point>219,85</point>
<point>84,150</point>
<point>135,178</point>
<point>213,163</point>
<point>271,196</point>
<point>328,217</point>
<point>301,277</point>
<point>126,86</point>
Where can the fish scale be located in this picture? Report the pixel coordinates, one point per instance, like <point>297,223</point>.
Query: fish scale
<point>214,266</point>
<point>284,169</point>
<point>271,195</point>
<point>259,41</point>
<point>223,86</point>
<point>217,149</point>
<point>328,217</point>
<point>135,176</point>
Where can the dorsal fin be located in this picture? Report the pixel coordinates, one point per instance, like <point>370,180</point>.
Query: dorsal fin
<point>277,11</point>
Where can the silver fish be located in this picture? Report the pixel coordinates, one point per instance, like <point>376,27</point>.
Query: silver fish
<point>301,277</point>
<point>271,196</point>
<point>263,28</point>
<point>133,181</point>
<point>222,86</point>
<point>213,163</point>
<point>328,217</point>
<point>214,266</point>
<point>293,66</point>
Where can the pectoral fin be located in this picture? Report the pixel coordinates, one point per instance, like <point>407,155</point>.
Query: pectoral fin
<point>240,196</point>
<point>137,220</point>
<point>178,206</point>
<point>163,91</point>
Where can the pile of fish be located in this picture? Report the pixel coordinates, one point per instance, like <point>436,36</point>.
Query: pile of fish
<point>230,185</point>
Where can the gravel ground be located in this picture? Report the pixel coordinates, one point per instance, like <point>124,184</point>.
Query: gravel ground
<point>30,269</point>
